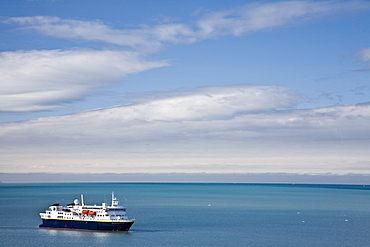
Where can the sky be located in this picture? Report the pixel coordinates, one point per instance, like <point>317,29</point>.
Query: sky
<point>195,86</point>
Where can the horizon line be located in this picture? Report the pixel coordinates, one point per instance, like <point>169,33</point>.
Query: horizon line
<point>176,177</point>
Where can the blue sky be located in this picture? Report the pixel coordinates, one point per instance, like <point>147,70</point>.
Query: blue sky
<point>190,86</point>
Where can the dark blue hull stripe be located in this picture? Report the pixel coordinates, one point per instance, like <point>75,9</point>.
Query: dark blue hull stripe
<point>86,225</point>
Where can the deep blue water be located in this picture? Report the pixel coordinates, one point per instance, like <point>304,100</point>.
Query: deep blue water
<point>196,214</point>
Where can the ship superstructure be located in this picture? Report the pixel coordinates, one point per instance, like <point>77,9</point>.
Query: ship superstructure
<point>78,216</point>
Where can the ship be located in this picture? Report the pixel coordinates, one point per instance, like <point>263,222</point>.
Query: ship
<point>78,216</point>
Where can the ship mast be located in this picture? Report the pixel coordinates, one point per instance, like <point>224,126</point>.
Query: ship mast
<point>114,200</point>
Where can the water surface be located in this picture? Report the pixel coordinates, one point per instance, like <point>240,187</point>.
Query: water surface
<point>196,214</point>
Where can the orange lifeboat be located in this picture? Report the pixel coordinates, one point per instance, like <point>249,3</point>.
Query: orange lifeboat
<point>91,213</point>
<point>85,211</point>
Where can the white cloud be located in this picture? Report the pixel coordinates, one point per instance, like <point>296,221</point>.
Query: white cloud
<point>211,129</point>
<point>255,17</point>
<point>41,80</point>
<point>364,54</point>
<point>147,37</point>
<point>239,21</point>
<point>213,103</point>
<point>227,132</point>
<point>77,29</point>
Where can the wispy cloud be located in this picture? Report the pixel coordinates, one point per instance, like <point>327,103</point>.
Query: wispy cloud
<point>364,55</point>
<point>42,80</point>
<point>213,103</point>
<point>255,17</point>
<point>238,21</point>
<point>148,38</point>
<point>233,129</point>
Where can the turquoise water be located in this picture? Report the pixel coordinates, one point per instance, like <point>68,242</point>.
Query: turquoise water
<point>196,214</point>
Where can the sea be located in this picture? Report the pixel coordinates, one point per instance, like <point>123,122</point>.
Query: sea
<point>199,214</point>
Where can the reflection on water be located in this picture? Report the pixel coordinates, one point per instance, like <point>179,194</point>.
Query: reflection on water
<point>93,237</point>
<point>79,233</point>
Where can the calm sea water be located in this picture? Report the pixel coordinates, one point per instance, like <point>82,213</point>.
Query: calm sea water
<point>196,215</point>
